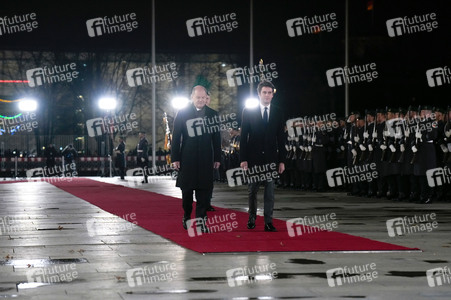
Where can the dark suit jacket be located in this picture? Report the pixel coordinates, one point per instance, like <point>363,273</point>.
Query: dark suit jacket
<point>262,143</point>
<point>194,149</point>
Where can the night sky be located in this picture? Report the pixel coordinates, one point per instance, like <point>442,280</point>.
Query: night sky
<point>302,61</point>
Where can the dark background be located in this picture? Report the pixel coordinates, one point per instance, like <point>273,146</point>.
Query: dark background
<point>301,61</point>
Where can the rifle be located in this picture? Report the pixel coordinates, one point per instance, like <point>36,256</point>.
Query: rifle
<point>414,157</point>
<point>167,138</point>
<point>384,136</point>
<point>365,139</point>
<point>373,139</point>
<point>401,158</point>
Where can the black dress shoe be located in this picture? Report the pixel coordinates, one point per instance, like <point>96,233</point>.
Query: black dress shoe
<point>270,227</point>
<point>251,222</point>
<point>211,208</point>
<point>184,220</point>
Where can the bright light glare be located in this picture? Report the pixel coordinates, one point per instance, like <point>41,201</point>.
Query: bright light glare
<point>251,103</point>
<point>107,103</point>
<point>180,102</point>
<point>28,105</point>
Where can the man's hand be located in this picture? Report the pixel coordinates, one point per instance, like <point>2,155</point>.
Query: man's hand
<point>216,164</point>
<point>281,168</point>
<point>143,159</point>
<point>243,165</point>
<point>176,165</point>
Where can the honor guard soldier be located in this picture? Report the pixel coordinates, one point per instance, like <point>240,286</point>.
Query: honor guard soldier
<point>142,154</point>
<point>424,152</point>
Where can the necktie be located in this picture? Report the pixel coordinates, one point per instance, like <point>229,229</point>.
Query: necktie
<point>265,115</point>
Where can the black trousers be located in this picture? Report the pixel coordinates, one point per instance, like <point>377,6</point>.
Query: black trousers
<point>268,199</point>
<point>202,196</point>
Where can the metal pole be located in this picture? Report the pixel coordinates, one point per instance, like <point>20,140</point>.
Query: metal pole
<point>346,59</point>
<point>251,45</point>
<point>153,86</point>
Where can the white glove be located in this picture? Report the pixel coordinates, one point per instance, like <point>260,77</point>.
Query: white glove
<point>449,147</point>
<point>356,139</point>
<point>392,148</point>
<point>386,133</point>
<point>289,138</point>
<point>366,135</point>
<point>342,148</point>
<point>309,148</point>
<point>302,148</point>
<point>375,135</point>
<point>444,148</point>
<point>418,134</point>
<point>402,148</point>
<point>414,149</point>
<point>448,133</point>
<point>354,153</point>
<point>304,137</point>
<point>296,139</point>
<point>309,138</point>
<point>370,147</point>
<point>294,149</point>
<point>314,139</point>
<point>407,131</point>
<point>383,147</point>
<point>398,135</point>
<point>287,147</point>
<point>345,135</point>
<point>363,148</point>
<point>142,159</point>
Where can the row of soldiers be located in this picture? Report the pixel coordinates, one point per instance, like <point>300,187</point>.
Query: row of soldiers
<point>409,148</point>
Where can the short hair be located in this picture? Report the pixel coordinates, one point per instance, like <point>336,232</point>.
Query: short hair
<point>265,83</point>
<point>194,87</point>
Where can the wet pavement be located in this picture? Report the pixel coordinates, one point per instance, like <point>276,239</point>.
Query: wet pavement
<point>49,250</point>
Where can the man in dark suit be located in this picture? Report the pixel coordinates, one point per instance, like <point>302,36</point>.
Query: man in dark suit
<point>142,154</point>
<point>196,150</point>
<point>262,143</point>
<point>120,157</point>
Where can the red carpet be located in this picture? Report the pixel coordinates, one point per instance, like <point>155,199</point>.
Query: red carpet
<point>162,215</point>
